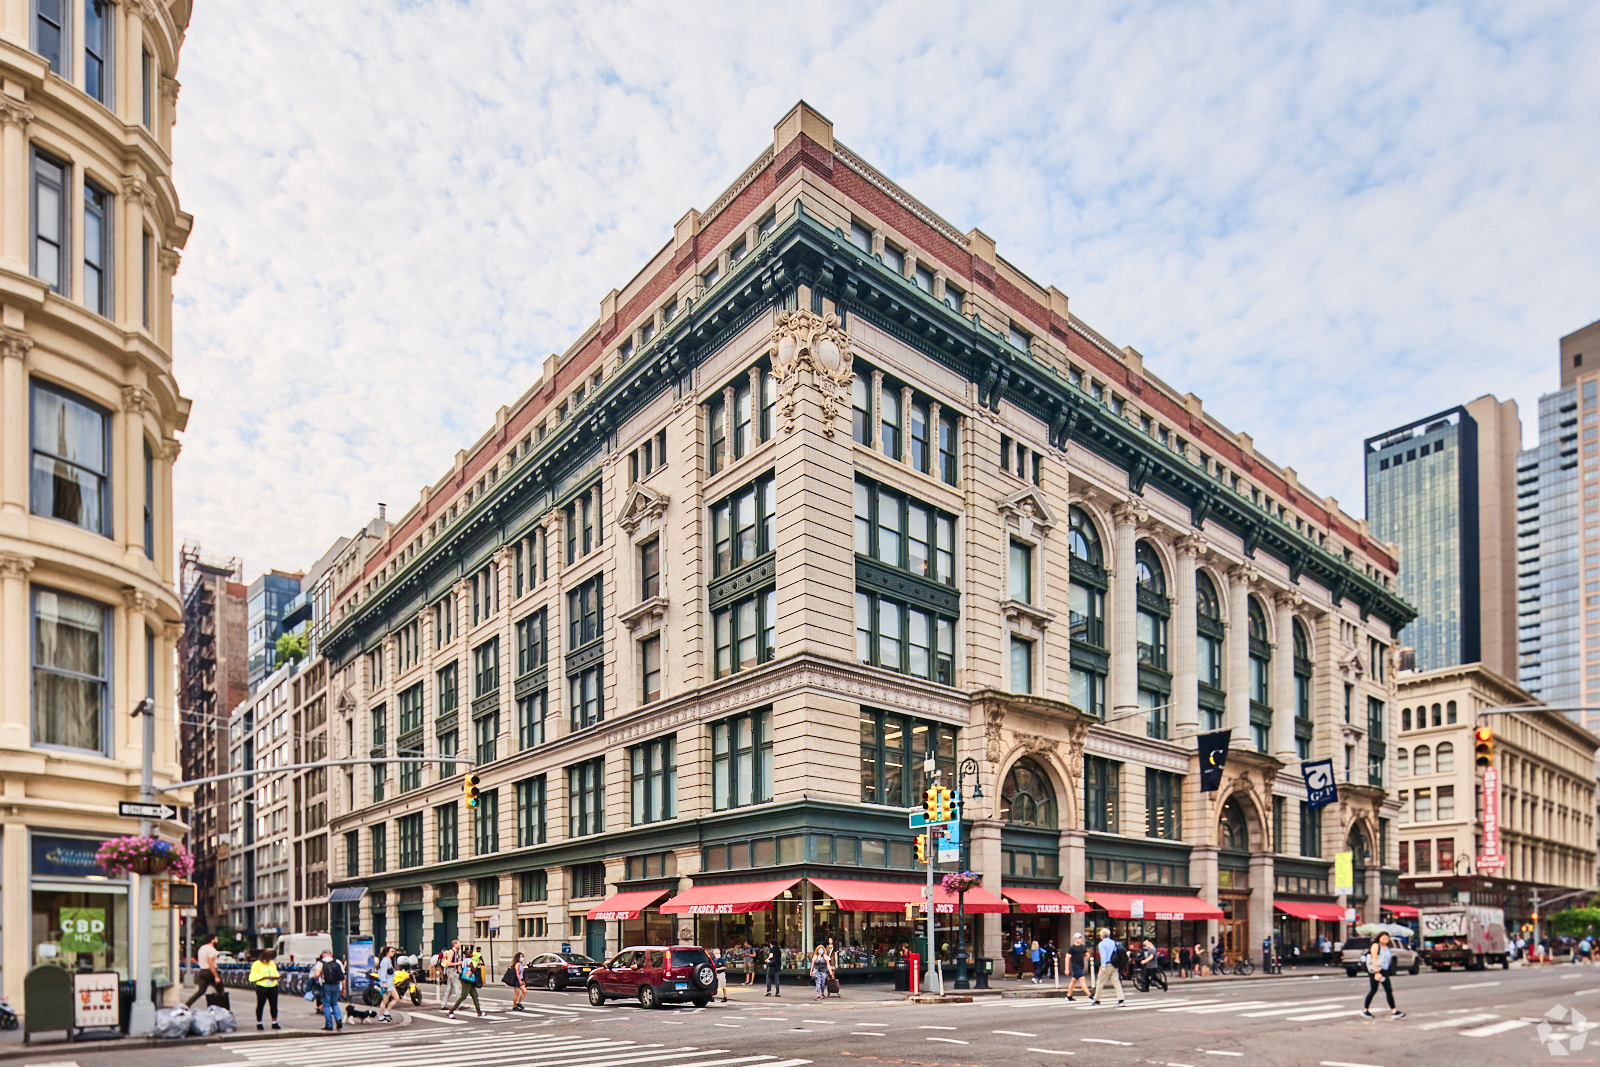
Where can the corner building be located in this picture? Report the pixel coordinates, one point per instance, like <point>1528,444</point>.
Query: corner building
<point>831,490</point>
<point>90,226</point>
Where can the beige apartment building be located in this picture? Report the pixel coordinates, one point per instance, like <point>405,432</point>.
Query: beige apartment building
<point>1545,762</point>
<point>830,494</point>
<point>89,617</point>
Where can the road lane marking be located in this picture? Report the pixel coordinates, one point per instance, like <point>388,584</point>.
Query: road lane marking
<point>1053,1051</point>
<point>1222,1008</point>
<point>1218,1052</point>
<point>949,1040</point>
<point>1323,1015</point>
<point>1104,1041</point>
<point>824,1022</point>
<point>1314,1006</point>
<point>1458,1021</point>
<point>935,1028</point>
<point>1475,985</point>
<point>864,1033</point>
<point>1495,1028</point>
<point>1342,1063</point>
<point>1013,1033</point>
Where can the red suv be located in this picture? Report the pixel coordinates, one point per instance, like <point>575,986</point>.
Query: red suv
<point>656,975</point>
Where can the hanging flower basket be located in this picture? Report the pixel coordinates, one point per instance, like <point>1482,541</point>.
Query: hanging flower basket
<point>144,855</point>
<point>959,883</point>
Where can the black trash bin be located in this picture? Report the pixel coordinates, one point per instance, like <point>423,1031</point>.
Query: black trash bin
<point>902,976</point>
<point>127,992</point>
<point>985,969</point>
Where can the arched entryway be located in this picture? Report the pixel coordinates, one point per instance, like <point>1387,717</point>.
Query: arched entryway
<point>1234,844</point>
<point>1030,849</point>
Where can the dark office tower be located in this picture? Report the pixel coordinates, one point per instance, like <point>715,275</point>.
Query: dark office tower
<point>1441,489</point>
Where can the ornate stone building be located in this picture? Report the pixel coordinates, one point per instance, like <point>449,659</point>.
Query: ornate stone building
<point>831,497</point>
<point>89,616</point>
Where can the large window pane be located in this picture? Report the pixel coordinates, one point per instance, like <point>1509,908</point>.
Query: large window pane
<point>70,670</point>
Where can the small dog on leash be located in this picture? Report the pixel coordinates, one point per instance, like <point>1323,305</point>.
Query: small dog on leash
<point>359,1013</point>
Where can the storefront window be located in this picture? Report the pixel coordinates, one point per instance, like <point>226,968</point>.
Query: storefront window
<point>81,931</point>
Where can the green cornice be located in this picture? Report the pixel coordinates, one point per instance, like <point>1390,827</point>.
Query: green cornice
<point>801,250</point>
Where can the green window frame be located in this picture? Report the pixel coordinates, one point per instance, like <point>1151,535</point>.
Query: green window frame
<point>533,645</point>
<point>586,798</point>
<point>486,668</point>
<point>743,526</point>
<point>410,832</point>
<point>903,638</point>
<point>903,532</point>
<point>1102,780</point>
<point>1163,793</point>
<point>444,823</point>
<point>486,823</point>
<point>531,811</point>
<point>741,760</point>
<point>744,632</point>
<point>654,776</point>
<point>894,750</point>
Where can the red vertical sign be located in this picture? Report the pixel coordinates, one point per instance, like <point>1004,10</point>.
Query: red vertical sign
<point>1491,860</point>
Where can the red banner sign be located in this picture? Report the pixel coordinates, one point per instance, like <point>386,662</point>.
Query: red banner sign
<point>1491,860</point>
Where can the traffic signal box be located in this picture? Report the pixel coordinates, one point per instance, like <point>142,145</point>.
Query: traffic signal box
<point>469,788</point>
<point>1483,746</point>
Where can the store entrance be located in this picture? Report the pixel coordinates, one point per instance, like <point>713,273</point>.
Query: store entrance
<point>1233,929</point>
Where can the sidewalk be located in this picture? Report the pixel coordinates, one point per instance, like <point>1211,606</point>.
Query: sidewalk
<point>294,1015</point>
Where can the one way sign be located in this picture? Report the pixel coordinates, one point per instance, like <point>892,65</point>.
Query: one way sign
<point>135,810</point>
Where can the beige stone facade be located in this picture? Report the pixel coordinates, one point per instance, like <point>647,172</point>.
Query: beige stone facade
<point>89,617</point>
<point>1547,785</point>
<point>831,487</point>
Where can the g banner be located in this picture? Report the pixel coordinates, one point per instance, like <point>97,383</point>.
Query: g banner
<point>1321,790</point>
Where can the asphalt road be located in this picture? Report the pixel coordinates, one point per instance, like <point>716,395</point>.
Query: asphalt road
<point>1452,1020</point>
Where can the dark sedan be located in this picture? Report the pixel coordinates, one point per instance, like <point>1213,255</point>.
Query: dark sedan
<point>557,970</point>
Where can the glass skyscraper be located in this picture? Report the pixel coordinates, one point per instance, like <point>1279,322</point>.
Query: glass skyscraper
<point>1548,613</point>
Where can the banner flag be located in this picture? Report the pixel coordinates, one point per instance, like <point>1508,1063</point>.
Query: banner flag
<point>1213,754</point>
<point>1321,790</point>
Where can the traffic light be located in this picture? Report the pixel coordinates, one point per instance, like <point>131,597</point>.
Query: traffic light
<point>922,848</point>
<point>469,787</point>
<point>946,804</point>
<point>930,803</point>
<point>1483,746</point>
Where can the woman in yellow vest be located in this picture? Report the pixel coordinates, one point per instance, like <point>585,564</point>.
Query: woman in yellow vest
<point>264,976</point>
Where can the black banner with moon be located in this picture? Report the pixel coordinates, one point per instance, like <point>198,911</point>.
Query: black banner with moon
<point>1213,754</point>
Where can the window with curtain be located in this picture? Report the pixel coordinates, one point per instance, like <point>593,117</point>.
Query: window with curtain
<point>71,671</point>
<point>71,473</point>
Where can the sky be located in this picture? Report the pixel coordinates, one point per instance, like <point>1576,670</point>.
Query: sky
<point>1325,220</point>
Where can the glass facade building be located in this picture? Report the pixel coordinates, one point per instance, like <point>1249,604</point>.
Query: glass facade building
<point>1548,572</point>
<point>1422,494</point>
<point>270,599</point>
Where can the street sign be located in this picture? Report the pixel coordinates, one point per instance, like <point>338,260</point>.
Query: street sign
<point>494,924</point>
<point>949,855</point>
<point>133,809</point>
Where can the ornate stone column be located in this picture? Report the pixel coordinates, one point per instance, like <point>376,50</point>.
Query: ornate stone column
<point>1074,871</point>
<point>135,402</point>
<point>986,857</point>
<point>14,118</point>
<point>14,346</point>
<point>1125,519</point>
<point>15,724</point>
<point>1238,680</point>
<point>1283,702</point>
<point>1185,639</point>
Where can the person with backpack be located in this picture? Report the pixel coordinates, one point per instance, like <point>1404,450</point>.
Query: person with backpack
<point>471,978</point>
<point>330,974</point>
<point>1113,957</point>
<point>519,986</point>
<point>450,964</point>
<point>1380,965</point>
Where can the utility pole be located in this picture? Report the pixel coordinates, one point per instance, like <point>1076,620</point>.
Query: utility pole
<point>142,1020</point>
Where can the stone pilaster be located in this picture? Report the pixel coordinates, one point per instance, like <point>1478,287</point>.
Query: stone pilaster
<point>1124,607</point>
<point>1283,747</point>
<point>1185,640</point>
<point>1238,679</point>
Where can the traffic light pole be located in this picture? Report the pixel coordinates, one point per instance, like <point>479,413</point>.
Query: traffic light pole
<point>933,953</point>
<point>142,1019</point>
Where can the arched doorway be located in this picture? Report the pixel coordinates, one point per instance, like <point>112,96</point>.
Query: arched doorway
<point>1233,879</point>
<point>1030,848</point>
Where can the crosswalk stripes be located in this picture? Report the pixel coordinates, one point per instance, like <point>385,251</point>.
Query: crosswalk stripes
<point>1496,1028</point>
<point>1217,1009</point>
<point>534,1050</point>
<point>1456,1022</point>
<point>1298,1007</point>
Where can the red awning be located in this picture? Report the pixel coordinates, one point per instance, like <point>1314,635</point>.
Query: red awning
<point>1304,909</point>
<point>1045,901</point>
<point>1120,906</point>
<point>852,895</point>
<point>734,898</point>
<point>620,906</point>
<point>1401,911</point>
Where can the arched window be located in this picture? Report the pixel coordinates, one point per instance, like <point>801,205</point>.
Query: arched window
<point>1357,842</point>
<point>1235,831</point>
<point>1405,718</point>
<point>1260,678</point>
<point>1422,760</point>
<point>1207,605</point>
<point>1450,713</point>
<point>1402,763</point>
<point>1147,569</point>
<point>1209,632</point>
<point>1302,643</point>
<point>1302,691</point>
<point>1026,798</point>
<point>1444,757</point>
<point>1083,540</point>
<point>1438,718</point>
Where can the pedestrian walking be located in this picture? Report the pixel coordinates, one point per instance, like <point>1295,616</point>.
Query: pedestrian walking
<point>720,963</point>
<point>1112,958</point>
<point>208,976</point>
<point>519,987</point>
<point>450,964</point>
<point>264,976</point>
<point>1019,949</point>
<point>1078,966</point>
<point>1036,957</point>
<point>330,973</point>
<point>774,961</point>
<point>1185,960</point>
<point>1380,965</point>
<point>386,983</point>
<point>471,978</point>
<point>749,963</point>
<point>819,970</point>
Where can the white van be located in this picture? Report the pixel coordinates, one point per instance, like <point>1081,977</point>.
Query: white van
<point>302,948</point>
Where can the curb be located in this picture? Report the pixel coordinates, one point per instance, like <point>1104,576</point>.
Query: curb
<point>935,998</point>
<point>19,1052</point>
<point>1034,994</point>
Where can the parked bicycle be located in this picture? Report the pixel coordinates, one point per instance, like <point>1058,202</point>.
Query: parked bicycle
<point>1241,967</point>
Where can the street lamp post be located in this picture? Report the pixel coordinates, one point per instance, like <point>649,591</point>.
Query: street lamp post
<point>968,769</point>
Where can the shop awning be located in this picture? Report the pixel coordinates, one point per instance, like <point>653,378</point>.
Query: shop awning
<point>1120,906</point>
<point>619,906</point>
<point>1044,901</point>
<point>1305,909</point>
<point>733,898</point>
<point>1400,911</point>
<point>853,895</point>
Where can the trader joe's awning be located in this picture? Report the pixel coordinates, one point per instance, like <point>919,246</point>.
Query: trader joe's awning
<point>619,906</point>
<point>1120,906</point>
<point>730,898</point>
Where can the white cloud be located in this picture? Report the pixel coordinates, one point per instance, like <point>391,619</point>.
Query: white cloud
<point>1324,220</point>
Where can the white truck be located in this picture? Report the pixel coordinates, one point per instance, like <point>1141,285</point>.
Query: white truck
<point>1468,936</point>
<point>302,948</point>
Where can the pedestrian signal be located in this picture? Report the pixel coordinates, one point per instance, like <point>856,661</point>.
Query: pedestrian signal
<point>1483,746</point>
<point>469,786</point>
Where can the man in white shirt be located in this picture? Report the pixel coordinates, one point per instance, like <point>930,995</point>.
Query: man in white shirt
<point>1108,972</point>
<point>208,975</point>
